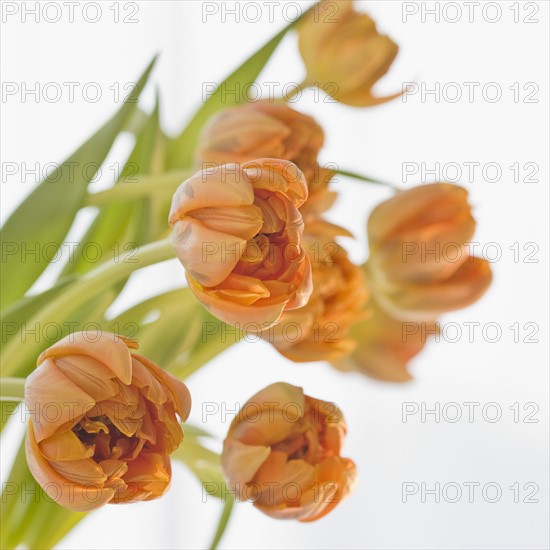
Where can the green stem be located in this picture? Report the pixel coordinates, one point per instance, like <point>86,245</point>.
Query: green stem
<point>145,186</point>
<point>224,520</point>
<point>79,293</point>
<point>360,177</point>
<point>12,389</point>
<point>202,355</point>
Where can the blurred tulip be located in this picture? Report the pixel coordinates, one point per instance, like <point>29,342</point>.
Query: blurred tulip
<point>419,264</point>
<point>237,231</point>
<point>344,54</point>
<point>385,346</point>
<point>283,452</point>
<point>261,130</point>
<point>319,331</point>
<point>103,422</point>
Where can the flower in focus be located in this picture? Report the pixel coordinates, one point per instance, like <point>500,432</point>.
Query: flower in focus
<point>273,130</point>
<point>237,231</point>
<point>283,452</point>
<point>419,264</point>
<point>261,130</point>
<point>103,422</point>
<point>344,54</point>
<point>385,346</point>
<point>319,331</point>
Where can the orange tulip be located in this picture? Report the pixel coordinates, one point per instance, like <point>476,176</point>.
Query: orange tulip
<point>319,331</point>
<point>344,53</point>
<point>385,346</point>
<point>237,231</point>
<point>419,264</point>
<point>103,422</point>
<point>261,130</point>
<point>283,452</point>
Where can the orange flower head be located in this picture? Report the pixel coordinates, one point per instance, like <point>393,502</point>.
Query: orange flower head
<point>419,264</point>
<point>237,231</point>
<point>261,130</point>
<point>103,422</point>
<point>283,452</point>
<point>344,53</point>
<point>385,346</point>
<point>273,130</point>
<point>320,331</point>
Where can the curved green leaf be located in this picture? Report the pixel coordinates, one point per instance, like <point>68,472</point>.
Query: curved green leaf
<point>121,225</point>
<point>47,214</point>
<point>181,149</point>
<point>174,330</point>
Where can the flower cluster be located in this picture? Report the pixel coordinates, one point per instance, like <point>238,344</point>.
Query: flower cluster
<point>251,230</point>
<point>347,314</point>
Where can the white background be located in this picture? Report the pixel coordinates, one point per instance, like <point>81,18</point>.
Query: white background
<point>375,141</point>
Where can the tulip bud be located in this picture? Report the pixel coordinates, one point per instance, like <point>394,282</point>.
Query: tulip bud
<point>419,264</point>
<point>320,331</point>
<point>385,346</point>
<point>283,452</point>
<point>103,422</point>
<point>237,231</point>
<point>261,130</point>
<point>344,53</point>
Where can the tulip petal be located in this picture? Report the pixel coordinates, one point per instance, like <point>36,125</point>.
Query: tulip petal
<point>240,221</point>
<point>95,378</point>
<point>179,392</point>
<point>209,256</point>
<point>53,399</point>
<point>65,446</point>
<point>221,186</point>
<point>425,302</point>
<point>279,477</point>
<point>240,462</point>
<point>105,347</point>
<point>75,497</point>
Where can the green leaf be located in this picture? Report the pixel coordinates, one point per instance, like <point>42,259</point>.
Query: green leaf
<point>224,521</point>
<point>205,464</point>
<point>121,226</point>
<point>194,431</point>
<point>174,330</point>
<point>181,149</point>
<point>47,214</point>
<point>7,408</point>
<point>85,318</point>
<point>28,516</point>
<point>14,316</point>
<point>367,179</point>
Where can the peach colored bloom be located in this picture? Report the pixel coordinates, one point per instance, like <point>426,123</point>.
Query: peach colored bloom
<point>344,53</point>
<point>261,130</point>
<point>237,231</point>
<point>419,264</point>
<point>283,452</point>
<point>103,422</point>
<point>319,331</point>
<point>385,346</point>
